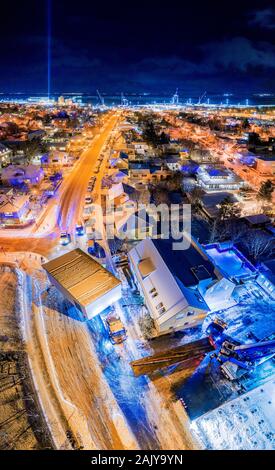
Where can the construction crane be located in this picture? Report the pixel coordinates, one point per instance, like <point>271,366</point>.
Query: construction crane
<point>175,98</point>
<point>237,358</point>
<point>201,97</point>
<point>124,101</point>
<point>101,99</point>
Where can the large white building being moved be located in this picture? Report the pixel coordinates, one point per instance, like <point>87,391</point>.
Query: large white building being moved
<point>180,287</point>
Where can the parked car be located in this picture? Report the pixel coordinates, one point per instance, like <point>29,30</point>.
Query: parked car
<point>65,238</point>
<point>79,229</point>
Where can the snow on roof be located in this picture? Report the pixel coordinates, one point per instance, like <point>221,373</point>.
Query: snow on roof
<point>12,203</point>
<point>24,171</point>
<point>246,423</point>
<point>83,277</point>
<point>119,189</point>
<point>217,175</point>
<point>146,267</point>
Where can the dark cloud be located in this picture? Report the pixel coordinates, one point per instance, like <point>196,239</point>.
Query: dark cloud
<point>264,18</point>
<point>147,46</point>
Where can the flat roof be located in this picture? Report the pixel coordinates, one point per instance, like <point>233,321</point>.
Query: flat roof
<point>187,266</point>
<point>83,277</point>
<point>212,199</point>
<point>258,219</point>
<point>245,423</point>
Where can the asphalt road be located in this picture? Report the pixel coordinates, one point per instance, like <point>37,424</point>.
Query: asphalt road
<point>70,197</point>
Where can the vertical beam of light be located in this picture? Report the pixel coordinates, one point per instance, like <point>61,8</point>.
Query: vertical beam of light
<point>49,44</point>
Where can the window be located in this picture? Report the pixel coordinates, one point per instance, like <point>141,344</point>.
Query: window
<point>154,295</point>
<point>152,290</point>
<point>190,313</point>
<point>162,310</point>
<point>159,305</point>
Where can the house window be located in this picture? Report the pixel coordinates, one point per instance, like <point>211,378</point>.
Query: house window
<point>152,290</point>
<point>154,295</point>
<point>190,313</point>
<point>159,305</point>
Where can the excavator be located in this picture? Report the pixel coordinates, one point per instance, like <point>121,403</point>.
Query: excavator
<point>236,358</point>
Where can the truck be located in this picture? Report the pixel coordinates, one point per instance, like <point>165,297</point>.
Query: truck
<point>116,329</point>
<point>236,358</point>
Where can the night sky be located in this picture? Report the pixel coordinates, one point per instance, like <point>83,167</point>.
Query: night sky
<point>139,46</point>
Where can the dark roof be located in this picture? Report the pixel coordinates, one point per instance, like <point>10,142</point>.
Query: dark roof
<point>139,166</point>
<point>128,189</point>
<point>144,166</point>
<point>212,199</point>
<point>123,170</point>
<point>175,197</point>
<point>267,158</point>
<point>187,266</point>
<point>123,155</point>
<point>258,219</point>
<point>270,264</point>
<point>268,270</point>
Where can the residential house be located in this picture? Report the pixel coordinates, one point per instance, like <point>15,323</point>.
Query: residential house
<point>13,209</point>
<point>218,179</point>
<point>5,155</point>
<point>16,175</point>
<point>179,287</point>
<point>266,277</point>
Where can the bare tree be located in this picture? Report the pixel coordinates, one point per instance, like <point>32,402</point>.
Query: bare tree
<point>147,326</point>
<point>196,195</point>
<point>115,245</point>
<point>258,244</point>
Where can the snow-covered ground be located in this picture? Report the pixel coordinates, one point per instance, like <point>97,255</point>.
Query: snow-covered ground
<point>246,423</point>
<point>254,313</point>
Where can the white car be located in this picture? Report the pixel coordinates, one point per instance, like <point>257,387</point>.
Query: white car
<point>65,238</point>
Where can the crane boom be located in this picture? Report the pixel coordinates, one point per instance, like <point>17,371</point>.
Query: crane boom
<point>101,99</point>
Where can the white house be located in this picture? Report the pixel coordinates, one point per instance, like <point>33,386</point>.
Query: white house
<point>14,175</point>
<point>179,287</point>
<point>218,179</point>
<point>13,209</point>
<point>173,162</point>
<point>266,277</point>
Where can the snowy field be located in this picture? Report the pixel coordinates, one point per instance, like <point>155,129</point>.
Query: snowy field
<point>248,422</point>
